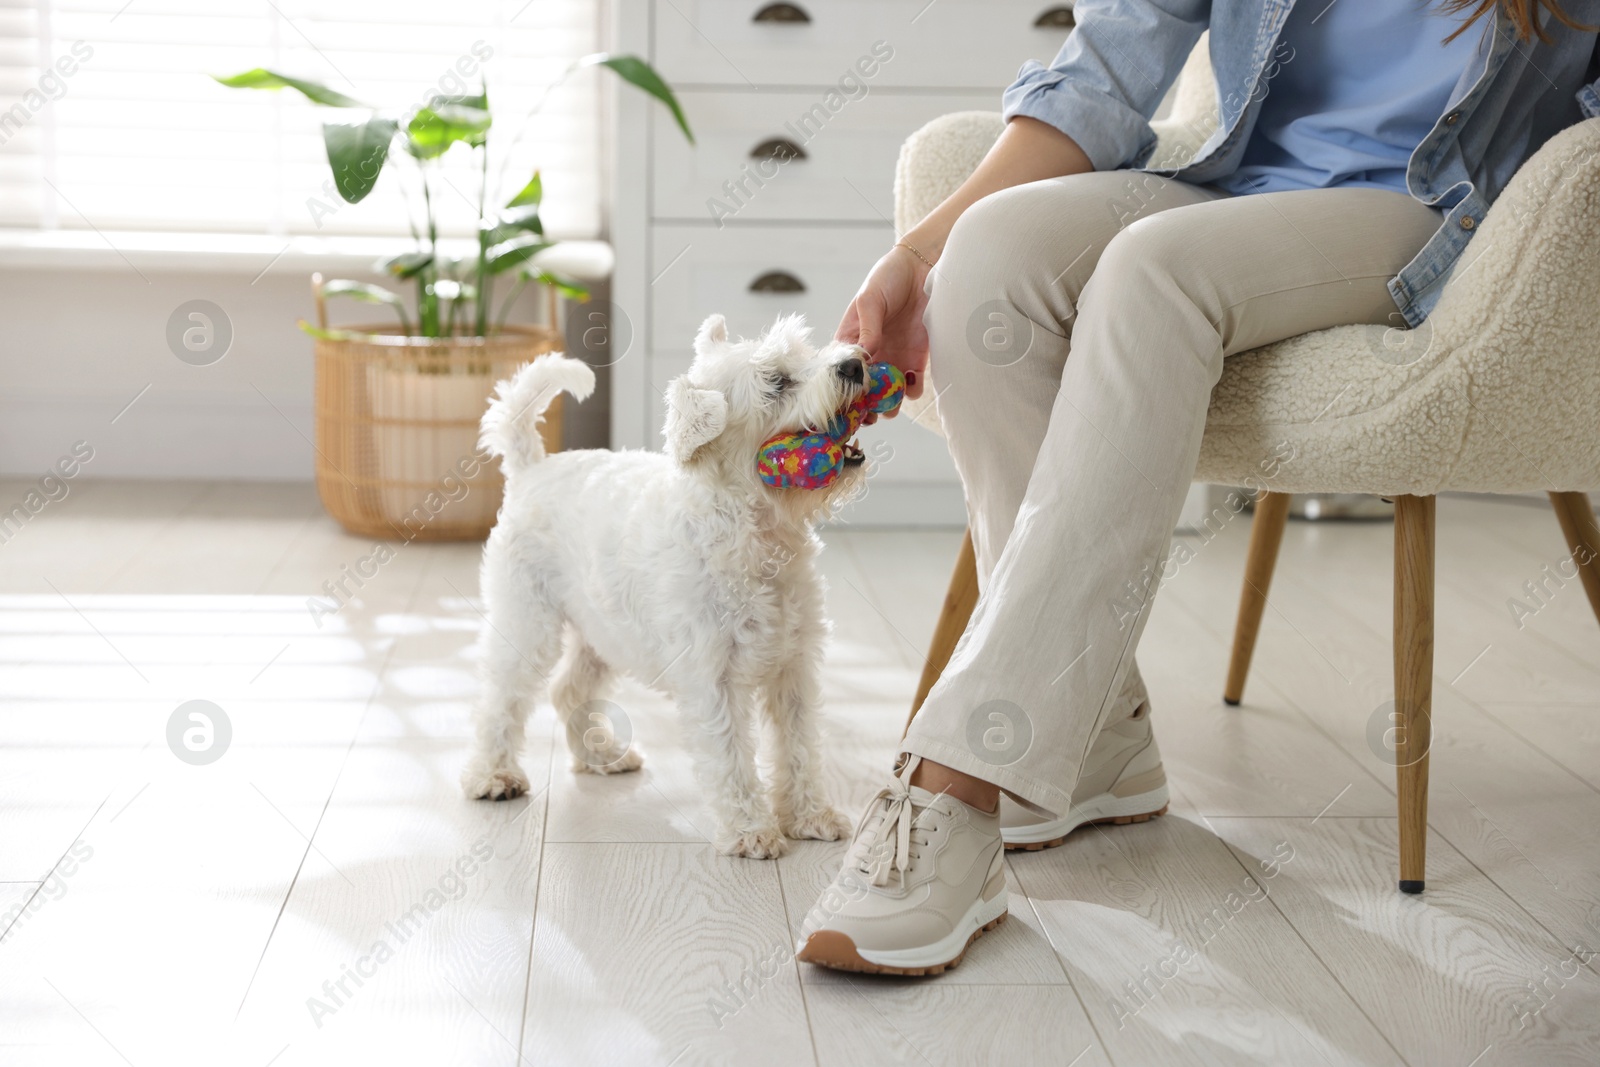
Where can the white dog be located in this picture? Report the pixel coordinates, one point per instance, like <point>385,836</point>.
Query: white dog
<point>682,569</point>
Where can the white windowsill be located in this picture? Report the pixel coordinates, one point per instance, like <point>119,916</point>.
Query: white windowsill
<point>252,254</point>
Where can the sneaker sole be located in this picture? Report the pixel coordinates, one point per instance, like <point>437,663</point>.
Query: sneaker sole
<point>835,950</point>
<point>1105,810</point>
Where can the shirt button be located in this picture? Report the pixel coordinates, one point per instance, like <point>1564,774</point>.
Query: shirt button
<point>1468,222</point>
<point>1452,118</point>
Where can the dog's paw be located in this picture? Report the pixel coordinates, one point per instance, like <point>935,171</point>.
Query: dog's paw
<point>493,783</point>
<point>824,824</point>
<point>766,844</point>
<point>608,762</point>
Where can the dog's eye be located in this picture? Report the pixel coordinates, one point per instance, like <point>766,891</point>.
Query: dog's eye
<point>779,384</point>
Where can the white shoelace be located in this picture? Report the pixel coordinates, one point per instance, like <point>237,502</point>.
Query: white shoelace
<point>893,808</point>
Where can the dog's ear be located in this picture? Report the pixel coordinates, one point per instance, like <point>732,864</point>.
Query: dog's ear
<point>713,331</point>
<point>694,417</point>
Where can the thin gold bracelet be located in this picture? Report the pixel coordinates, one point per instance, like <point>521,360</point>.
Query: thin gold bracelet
<point>928,262</point>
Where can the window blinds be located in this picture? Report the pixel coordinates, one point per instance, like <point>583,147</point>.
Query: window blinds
<point>109,118</point>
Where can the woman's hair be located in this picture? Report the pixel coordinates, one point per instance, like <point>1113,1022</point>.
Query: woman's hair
<point>1524,15</point>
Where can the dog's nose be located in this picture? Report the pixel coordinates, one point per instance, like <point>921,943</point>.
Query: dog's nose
<point>853,370</point>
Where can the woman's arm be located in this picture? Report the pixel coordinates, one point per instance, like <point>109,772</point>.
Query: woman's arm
<point>1028,151</point>
<point>885,317</point>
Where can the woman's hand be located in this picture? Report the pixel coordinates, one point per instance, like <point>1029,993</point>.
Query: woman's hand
<point>885,317</point>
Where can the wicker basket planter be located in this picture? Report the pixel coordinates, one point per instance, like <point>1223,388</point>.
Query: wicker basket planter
<point>397,430</point>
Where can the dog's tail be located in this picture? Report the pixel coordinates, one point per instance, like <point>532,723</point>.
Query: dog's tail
<point>510,428</point>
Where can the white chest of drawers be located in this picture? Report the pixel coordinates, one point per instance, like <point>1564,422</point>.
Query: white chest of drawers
<point>785,200</point>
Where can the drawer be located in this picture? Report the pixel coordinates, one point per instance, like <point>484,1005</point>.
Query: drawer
<point>944,44</point>
<point>701,270</point>
<point>835,162</point>
<point>903,452</point>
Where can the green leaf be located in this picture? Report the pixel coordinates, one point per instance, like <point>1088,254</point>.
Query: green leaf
<point>491,235</point>
<point>476,101</point>
<point>321,334</point>
<point>531,193</point>
<point>261,78</point>
<point>507,254</point>
<point>356,152</point>
<point>447,120</point>
<point>406,265</point>
<point>512,224</point>
<point>365,292</point>
<point>565,286</point>
<point>369,294</point>
<point>526,220</point>
<point>638,73</point>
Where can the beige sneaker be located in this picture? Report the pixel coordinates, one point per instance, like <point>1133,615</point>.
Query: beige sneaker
<point>923,879</point>
<point>1122,782</point>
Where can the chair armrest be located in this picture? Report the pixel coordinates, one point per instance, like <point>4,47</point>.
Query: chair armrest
<point>936,159</point>
<point>1520,319</point>
<point>1495,392</point>
<point>1539,240</point>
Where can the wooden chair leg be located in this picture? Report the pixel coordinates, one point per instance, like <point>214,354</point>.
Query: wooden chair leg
<point>1583,540</point>
<point>1266,534</point>
<point>1413,678</point>
<point>959,601</point>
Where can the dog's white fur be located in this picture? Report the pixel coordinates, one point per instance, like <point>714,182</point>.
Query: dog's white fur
<point>680,568</point>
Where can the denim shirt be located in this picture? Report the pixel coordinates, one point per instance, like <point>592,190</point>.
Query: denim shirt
<point>1118,63</point>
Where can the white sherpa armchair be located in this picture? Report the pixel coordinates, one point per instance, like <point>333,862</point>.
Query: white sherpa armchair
<point>1497,392</point>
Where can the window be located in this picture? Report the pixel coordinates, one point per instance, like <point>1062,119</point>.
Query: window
<point>109,117</point>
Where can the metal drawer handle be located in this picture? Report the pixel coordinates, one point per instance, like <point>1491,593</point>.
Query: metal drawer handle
<point>777,281</point>
<point>1056,18</point>
<point>781,13</point>
<point>780,149</point>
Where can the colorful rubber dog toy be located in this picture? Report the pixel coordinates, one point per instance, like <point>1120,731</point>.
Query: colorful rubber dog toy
<point>813,459</point>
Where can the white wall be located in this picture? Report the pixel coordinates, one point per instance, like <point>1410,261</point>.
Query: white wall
<point>84,333</point>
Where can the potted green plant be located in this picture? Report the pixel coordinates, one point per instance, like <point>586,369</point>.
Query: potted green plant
<point>397,408</point>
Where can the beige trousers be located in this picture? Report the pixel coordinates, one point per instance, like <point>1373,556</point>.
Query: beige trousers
<point>1075,469</point>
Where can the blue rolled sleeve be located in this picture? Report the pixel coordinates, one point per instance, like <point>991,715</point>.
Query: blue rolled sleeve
<point>1110,76</point>
<point>1589,100</point>
<point>1589,95</point>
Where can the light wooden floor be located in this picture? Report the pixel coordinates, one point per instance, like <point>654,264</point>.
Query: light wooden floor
<point>193,912</point>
